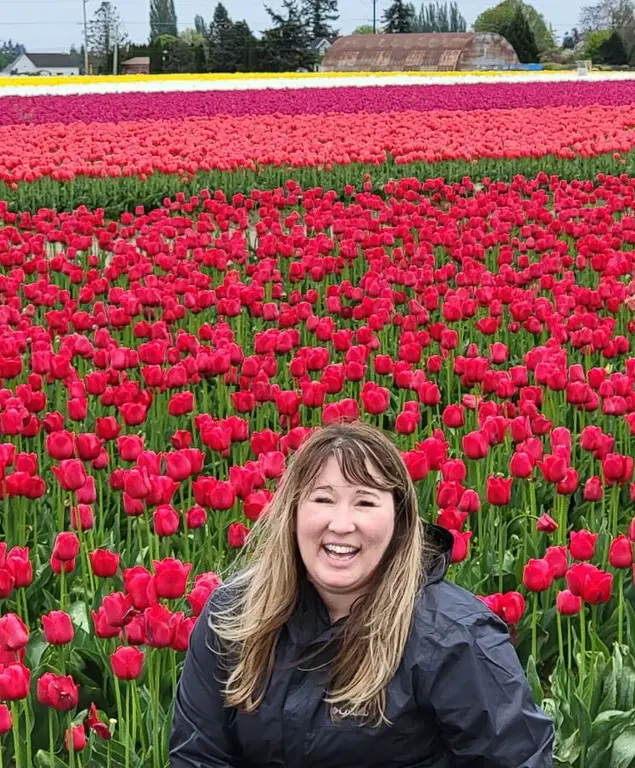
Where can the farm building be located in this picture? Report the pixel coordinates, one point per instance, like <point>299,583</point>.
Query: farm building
<point>433,52</point>
<point>139,65</point>
<point>44,64</point>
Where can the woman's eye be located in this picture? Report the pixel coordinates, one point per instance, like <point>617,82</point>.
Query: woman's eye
<point>366,503</point>
<point>322,500</point>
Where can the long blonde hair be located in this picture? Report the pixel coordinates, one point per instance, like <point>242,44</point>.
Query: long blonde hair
<point>375,633</point>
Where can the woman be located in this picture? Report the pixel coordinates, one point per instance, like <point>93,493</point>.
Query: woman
<point>341,644</point>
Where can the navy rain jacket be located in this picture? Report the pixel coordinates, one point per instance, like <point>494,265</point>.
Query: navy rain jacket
<point>459,699</point>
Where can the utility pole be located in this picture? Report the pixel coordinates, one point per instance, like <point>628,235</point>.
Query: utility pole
<point>116,50</point>
<point>86,72</point>
<point>374,17</point>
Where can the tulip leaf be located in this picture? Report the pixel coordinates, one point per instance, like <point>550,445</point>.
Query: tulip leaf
<point>623,752</point>
<point>534,681</point>
<point>43,760</point>
<point>567,751</point>
<point>78,614</point>
<point>582,717</point>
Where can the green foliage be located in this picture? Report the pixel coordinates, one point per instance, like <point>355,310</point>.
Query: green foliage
<point>495,19</point>
<point>613,51</point>
<point>593,45</point>
<point>398,17</point>
<point>9,52</point>
<point>364,29</point>
<point>285,46</point>
<point>439,17</point>
<point>162,19</point>
<point>320,14</point>
<point>518,32</point>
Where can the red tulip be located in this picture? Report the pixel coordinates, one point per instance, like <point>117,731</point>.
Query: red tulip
<point>160,625</point>
<point>88,446</point>
<point>617,469</point>
<point>129,447</point>
<point>165,520</point>
<point>521,464</point>
<point>181,403</point>
<point>237,535</point>
<point>375,399</point>
<point>6,723</point>
<point>499,490</point>
<point>70,474</point>
<point>460,549</point>
<point>538,575</point>
<point>196,517</point>
<point>66,546</point>
<point>476,445</point>
<point>15,680</point>
<point>620,553</point>
<point>14,634</point>
<point>558,560</point>
<point>452,416</point>
<point>171,577</point>
<point>104,563</point>
<point>127,662</point>
<point>567,603</point>
<point>582,544</point>
<point>78,737</point>
<point>553,468</point>
<point>593,489</point>
<point>19,567</point>
<point>546,524</point>
<point>82,516</point>
<point>60,445</point>
<point>57,627</point>
<point>95,724</point>
<point>590,583</point>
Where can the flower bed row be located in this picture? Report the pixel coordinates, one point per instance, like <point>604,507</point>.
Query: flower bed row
<point>141,106</point>
<point>58,164</point>
<point>158,370</point>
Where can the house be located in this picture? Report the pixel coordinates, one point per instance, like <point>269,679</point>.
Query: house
<point>319,47</point>
<point>139,65</point>
<point>46,64</point>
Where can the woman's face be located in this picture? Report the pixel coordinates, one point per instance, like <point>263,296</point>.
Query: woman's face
<point>343,531</point>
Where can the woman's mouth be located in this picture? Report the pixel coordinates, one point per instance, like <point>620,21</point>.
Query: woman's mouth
<point>340,552</point>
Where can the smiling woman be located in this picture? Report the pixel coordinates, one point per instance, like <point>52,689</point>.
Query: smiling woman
<point>342,643</point>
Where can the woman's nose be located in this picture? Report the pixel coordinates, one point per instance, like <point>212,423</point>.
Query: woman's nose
<point>342,520</point>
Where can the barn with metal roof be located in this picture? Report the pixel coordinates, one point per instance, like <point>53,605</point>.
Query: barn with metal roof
<point>434,52</point>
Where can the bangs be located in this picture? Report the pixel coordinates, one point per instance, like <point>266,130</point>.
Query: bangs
<point>357,463</point>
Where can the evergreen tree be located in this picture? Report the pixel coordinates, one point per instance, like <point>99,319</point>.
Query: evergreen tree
<point>501,15</point>
<point>162,19</point>
<point>519,34</point>
<point>398,17</point>
<point>319,14</point>
<point>613,51</point>
<point>285,46</point>
<point>9,52</point>
<point>104,31</point>
<point>439,17</point>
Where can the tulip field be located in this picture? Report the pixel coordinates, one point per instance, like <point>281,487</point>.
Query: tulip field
<point>192,280</point>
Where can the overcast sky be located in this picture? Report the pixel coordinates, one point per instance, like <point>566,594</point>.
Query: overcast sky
<point>46,26</point>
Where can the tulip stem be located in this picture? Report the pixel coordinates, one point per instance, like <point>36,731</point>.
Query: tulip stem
<point>27,722</point>
<point>128,740</point>
<point>560,640</point>
<point>16,735</point>
<point>51,738</point>
<point>137,713</point>
<point>620,607</point>
<point>582,645</point>
<point>71,745</point>
<point>534,627</point>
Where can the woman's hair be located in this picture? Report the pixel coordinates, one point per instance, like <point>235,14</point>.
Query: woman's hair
<point>375,633</point>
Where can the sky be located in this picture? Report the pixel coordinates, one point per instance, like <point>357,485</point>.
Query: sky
<point>48,26</point>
